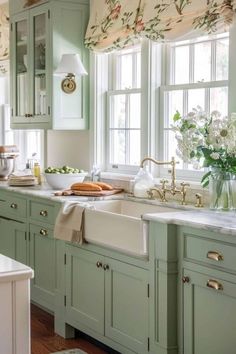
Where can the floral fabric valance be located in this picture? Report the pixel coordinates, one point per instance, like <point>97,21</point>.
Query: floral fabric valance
<point>4,32</point>
<point>115,24</point>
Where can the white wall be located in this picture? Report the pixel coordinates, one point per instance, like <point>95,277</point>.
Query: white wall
<point>70,148</point>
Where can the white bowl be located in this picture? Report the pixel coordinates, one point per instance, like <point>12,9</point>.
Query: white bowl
<point>64,180</point>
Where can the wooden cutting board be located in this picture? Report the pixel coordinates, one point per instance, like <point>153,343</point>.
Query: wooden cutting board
<point>102,193</point>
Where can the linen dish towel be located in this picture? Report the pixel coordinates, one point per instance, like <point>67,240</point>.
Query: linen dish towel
<point>69,225</point>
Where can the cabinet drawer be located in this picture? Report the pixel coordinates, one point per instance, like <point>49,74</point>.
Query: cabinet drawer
<point>43,231</point>
<point>42,212</point>
<point>211,252</point>
<point>12,205</point>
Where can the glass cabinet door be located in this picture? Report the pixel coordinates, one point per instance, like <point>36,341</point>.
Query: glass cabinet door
<point>39,71</point>
<point>21,69</point>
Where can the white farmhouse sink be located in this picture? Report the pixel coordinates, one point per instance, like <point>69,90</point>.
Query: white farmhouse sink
<point>117,224</point>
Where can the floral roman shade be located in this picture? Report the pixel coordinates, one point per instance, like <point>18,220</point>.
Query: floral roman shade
<point>4,32</point>
<point>115,24</point>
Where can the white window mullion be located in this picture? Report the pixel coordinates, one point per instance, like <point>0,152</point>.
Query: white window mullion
<point>213,60</point>
<point>127,132</point>
<point>191,63</point>
<point>207,100</point>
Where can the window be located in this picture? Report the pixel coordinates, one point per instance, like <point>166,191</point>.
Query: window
<point>124,110</point>
<point>197,75</point>
<point>145,85</point>
<point>29,142</point>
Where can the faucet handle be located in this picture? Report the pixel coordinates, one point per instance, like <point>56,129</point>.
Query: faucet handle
<point>184,184</point>
<point>184,191</point>
<point>163,183</point>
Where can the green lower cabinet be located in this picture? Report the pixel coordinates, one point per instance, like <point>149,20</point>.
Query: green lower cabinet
<point>42,259</point>
<point>84,289</point>
<point>13,240</point>
<point>107,296</point>
<point>126,306</point>
<point>209,307</point>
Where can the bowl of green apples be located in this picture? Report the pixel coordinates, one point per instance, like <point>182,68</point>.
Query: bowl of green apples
<point>63,177</point>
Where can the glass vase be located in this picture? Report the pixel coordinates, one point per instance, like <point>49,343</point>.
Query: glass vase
<point>222,188</point>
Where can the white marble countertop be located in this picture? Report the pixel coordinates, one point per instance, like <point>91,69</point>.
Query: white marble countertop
<point>11,270</point>
<point>202,218</point>
<point>221,222</point>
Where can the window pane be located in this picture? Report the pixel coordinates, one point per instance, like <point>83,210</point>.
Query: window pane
<point>134,155</point>
<point>196,98</point>
<point>126,71</point>
<point>135,110</point>
<point>174,100</point>
<point>222,59</point>
<point>181,65</point>
<point>219,100</point>
<point>202,62</point>
<point>117,147</point>
<point>171,147</point>
<point>117,119</point>
<point>138,69</point>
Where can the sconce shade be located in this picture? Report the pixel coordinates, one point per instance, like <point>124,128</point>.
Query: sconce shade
<point>71,63</point>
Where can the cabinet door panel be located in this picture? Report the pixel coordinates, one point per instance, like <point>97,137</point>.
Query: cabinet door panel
<point>126,305</point>
<point>85,289</point>
<point>207,312</point>
<point>42,260</point>
<point>13,242</point>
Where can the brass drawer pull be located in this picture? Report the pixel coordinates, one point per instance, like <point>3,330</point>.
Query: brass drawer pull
<point>214,284</point>
<point>43,213</point>
<point>215,256</point>
<point>43,232</point>
<point>185,279</point>
<point>99,264</point>
<point>106,267</point>
<point>14,206</point>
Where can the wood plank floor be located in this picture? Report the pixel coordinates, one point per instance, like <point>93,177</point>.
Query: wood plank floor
<point>45,341</point>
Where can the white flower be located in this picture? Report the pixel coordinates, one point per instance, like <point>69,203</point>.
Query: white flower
<point>215,155</point>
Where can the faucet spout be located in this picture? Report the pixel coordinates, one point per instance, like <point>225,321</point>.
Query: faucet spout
<point>151,191</point>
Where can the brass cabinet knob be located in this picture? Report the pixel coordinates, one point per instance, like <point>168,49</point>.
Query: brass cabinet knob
<point>185,280</point>
<point>106,267</point>
<point>43,232</point>
<point>43,213</point>
<point>99,264</point>
<point>215,256</point>
<point>214,284</point>
<point>14,206</point>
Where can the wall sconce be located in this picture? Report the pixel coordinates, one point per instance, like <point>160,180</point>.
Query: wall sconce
<point>71,65</point>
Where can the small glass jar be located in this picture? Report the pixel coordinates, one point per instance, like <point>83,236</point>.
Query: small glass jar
<point>37,172</point>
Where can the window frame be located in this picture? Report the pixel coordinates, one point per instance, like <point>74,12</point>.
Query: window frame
<point>154,76</point>
<point>168,77</point>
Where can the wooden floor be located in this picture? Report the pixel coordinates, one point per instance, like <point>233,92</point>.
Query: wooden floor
<point>45,341</point>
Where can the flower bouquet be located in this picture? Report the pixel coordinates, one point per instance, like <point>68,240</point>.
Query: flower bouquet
<point>210,141</point>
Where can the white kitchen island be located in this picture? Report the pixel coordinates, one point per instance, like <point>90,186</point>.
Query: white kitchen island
<point>14,306</point>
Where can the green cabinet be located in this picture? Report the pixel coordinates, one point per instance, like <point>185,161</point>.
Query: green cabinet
<point>26,234</point>
<point>42,260</point>
<point>209,314</point>
<point>13,239</point>
<point>85,288</point>
<point>107,296</point>
<point>39,37</point>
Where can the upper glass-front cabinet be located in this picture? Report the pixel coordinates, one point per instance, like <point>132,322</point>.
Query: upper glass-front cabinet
<point>40,34</point>
<point>30,104</point>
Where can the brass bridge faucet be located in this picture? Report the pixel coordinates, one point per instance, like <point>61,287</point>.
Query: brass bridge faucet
<point>173,188</point>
